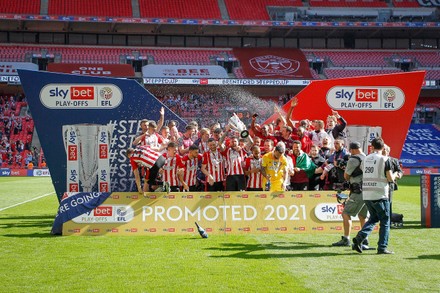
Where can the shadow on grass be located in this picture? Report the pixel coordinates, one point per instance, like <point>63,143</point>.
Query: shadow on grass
<point>410,225</point>
<point>270,250</point>
<point>10,222</point>
<point>427,256</point>
<point>31,235</point>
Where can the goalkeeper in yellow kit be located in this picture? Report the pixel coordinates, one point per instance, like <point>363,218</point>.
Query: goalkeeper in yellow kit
<point>274,168</point>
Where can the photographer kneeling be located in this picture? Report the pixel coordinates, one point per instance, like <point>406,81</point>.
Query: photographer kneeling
<point>354,205</point>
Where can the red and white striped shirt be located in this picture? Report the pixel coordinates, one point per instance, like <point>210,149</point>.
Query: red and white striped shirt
<point>151,140</point>
<point>254,179</point>
<point>215,165</point>
<point>170,169</point>
<point>234,162</point>
<point>191,165</point>
<point>203,147</point>
<point>143,156</point>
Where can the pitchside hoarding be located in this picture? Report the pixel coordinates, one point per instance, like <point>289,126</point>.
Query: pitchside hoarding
<point>430,199</point>
<point>85,123</point>
<point>380,102</point>
<point>218,213</point>
<point>421,148</point>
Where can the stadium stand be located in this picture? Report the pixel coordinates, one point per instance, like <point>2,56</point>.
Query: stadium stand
<point>428,58</point>
<point>406,3</point>
<point>111,55</point>
<point>90,8</point>
<point>342,58</point>
<point>255,9</point>
<point>340,73</point>
<point>16,130</point>
<point>348,3</point>
<point>206,9</point>
<point>20,6</point>
<point>433,74</point>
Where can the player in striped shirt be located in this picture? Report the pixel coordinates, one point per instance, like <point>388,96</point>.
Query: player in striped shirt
<point>213,166</point>
<point>191,163</point>
<point>234,161</point>
<point>172,170</point>
<point>144,156</point>
<point>253,170</point>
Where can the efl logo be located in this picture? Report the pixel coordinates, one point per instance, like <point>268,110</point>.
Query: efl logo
<point>73,153</point>
<point>103,211</point>
<point>82,93</point>
<point>103,151</point>
<point>367,95</point>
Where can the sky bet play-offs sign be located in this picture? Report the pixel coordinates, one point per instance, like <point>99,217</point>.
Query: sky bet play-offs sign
<point>89,108</point>
<point>81,96</point>
<point>384,101</point>
<point>365,98</point>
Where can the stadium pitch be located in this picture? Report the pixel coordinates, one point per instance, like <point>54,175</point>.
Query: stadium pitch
<point>32,260</point>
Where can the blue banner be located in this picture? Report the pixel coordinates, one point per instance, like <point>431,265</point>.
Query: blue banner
<point>75,205</point>
<point>5,172</point>
<point>58,101</point>
<point>422,147</point>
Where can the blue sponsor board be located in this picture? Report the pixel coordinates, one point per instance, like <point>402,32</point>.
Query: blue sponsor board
<point>422,147</point>
<point>62,99</point>
<point>5,172</point>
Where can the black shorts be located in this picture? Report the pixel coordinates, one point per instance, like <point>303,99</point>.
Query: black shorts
<point>155,170</point>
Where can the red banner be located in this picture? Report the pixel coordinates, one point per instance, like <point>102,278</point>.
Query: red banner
<point>116,70</point>
<point>273,63</point>
<point>384,102</point>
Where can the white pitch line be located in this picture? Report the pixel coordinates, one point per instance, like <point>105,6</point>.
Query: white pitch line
<point>26,201</point>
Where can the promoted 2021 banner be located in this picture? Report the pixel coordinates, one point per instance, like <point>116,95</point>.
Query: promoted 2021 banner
<point>219,213</point>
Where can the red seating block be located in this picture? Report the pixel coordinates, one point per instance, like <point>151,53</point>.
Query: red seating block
<point>91,8</point>
<point>20,6</point>
<point>205,9</point>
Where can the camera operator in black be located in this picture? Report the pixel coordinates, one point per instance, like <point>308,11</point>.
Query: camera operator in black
<point>354,206</point>
<point>395,168</point>
<point>338,159</point>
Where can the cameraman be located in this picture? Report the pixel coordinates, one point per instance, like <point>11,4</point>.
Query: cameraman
<point>354,204</point>
<point>334,169</point>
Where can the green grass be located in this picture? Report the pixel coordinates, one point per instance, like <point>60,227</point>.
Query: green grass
<point>31,260</point>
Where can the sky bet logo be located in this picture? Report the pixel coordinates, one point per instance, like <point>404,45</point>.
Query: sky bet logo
<point>75,93</point>
<point>365,98</point>
<point>81,96</point>
<point>359,95</point>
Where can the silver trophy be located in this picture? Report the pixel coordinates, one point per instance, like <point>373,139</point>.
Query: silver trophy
<point>238,125</point>
<point>87,135</point>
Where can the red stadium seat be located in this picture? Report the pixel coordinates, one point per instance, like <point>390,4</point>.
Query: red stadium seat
<point>348,3</point>
<point>206,9</point>
<point>406,3</point>
<point>341,73</point>
<point>255,9</point>
<point>110,8</point>
<point>20,6</point>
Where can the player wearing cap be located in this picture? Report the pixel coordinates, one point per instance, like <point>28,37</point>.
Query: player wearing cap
<point>354,205</point>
